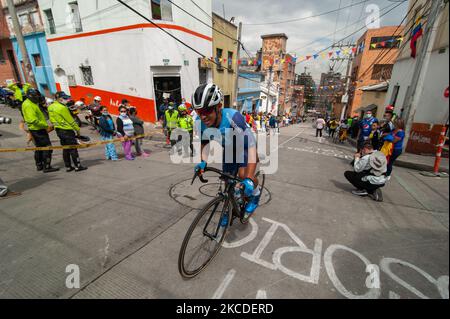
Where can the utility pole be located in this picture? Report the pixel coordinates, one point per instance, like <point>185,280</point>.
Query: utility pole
<point>236,85</point>
<point>269,86</point>
<point>422,62</point>
<point>28,72</point>
<point>347,87</point>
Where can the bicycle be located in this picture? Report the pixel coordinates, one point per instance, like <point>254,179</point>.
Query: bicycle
<point>208,222</point>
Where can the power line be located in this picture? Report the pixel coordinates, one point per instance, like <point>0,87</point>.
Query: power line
<point>327,36</point>
<point>305,18</point>
<point>353,33</point>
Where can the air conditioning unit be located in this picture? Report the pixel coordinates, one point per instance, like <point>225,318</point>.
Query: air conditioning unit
<point>71,79</point>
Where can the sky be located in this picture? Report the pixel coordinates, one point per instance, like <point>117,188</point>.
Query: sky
<point>302,33</point>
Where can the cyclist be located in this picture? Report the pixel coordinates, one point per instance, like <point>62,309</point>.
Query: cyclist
<point>207,102</point>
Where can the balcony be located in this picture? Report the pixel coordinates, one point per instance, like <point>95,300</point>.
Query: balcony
<point>17,2</point>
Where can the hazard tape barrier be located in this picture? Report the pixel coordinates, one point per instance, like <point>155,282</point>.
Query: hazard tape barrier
<point>69,147</point>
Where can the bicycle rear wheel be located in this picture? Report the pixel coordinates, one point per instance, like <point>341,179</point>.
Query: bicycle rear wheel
<point>204,238</point>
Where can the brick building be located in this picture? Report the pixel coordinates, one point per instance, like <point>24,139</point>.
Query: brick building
<point>373,63</point>
<point>8,66</point>
<point>275,59</point>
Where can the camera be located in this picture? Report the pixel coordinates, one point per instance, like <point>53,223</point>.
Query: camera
<point>5,120</point>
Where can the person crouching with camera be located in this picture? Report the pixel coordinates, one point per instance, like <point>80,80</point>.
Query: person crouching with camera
<point>67,131</point>
<point>39,129</point>
<point>369,173</point>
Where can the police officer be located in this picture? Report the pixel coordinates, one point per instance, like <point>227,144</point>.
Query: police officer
<point>39,129</point>
<point>185,122</point>
<point>67,131</point>
<point>171,122</point>
<point>20,90</point>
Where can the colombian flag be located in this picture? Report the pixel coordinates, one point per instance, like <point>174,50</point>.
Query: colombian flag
<point>417,33</point>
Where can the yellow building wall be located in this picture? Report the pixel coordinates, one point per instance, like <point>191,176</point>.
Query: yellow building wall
<point>224,78</point>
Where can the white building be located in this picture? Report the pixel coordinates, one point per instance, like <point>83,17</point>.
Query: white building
<point>103,48</point>
<point>433,109</point>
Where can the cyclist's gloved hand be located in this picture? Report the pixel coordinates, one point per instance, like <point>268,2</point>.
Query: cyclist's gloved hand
<point>200,167</point>
<point>249,187</point>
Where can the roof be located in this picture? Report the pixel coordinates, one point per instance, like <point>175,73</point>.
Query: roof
<point>215,15</point>
<point>275,35</point>
<point>380,87</point>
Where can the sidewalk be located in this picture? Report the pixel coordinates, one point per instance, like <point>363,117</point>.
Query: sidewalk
<point>417,162</point>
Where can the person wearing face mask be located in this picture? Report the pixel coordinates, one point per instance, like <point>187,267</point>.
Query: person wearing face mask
<point>171,122</point>
<point>39,129</point>
<point>67,130</point>
<point>365,128</point>
<point>126,129</point>
<point>108,131</point>
<point>185,122</point>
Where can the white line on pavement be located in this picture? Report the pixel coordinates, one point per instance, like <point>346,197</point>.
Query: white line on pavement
<point>224,285</point>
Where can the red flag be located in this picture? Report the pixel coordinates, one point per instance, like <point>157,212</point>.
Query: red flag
<point>383,44</point>
<point>354,50</point>
<point>330,54</point>
<point>239,62</point>
<point>308,57</point>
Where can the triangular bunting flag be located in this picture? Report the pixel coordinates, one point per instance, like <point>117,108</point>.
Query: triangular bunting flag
<point>330,54</point>
<point>354,49</point>
<point>316,56</point>
<point>374,45</point>
<point>308,57</point>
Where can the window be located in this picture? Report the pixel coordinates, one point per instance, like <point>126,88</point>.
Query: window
<point>50,21</point>
<point>382,71</point>
<point>385,42</point>
<point>87,75</point>
<point>230,61</point>
<point>161,10</point>
<point>35,19</point>
<point>76,18</point>
<point>37,59</point>
<point>219,53</point>
<point>24,20</point>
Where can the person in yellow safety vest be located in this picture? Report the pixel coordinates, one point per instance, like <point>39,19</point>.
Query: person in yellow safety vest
<point>171,122</point>
<point>39,129</point>
<point>67,131</point>
<point>20,90</point>
<point>186,122</point>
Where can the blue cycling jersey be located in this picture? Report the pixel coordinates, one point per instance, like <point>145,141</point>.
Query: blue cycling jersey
<point>235,137</point>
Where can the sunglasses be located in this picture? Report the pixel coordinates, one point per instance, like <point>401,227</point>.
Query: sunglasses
<point>205,111</point>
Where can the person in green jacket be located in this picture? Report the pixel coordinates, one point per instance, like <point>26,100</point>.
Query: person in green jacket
<point>39,129</point>
<point>67,131</point>
<point>171,122</point>
<point>185,122</point>
<point>20,90</point>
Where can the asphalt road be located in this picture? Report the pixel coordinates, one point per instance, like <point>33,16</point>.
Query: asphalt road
<point>123,223</point>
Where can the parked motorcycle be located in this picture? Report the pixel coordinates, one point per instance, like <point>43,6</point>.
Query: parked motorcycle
<point>6,97</point>
<point>75,109</point>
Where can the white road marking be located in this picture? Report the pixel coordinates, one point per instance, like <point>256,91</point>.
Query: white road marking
<point>245,240</point>
<point>261,294</point>
<point>224,285</point>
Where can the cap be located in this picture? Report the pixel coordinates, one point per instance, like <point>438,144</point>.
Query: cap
<point>61,94</point>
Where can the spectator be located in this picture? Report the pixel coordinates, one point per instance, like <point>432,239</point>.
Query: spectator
<point>108,131</point>
<point>126,130</point>
<point>365,128</point>
<point>388,123</point>
<point>398,135</point>
<point>162,109</point>
<point>354,130</point>
<point>333,126</point>
<point>320,123</point>
<point>343,131</point>
<point>375,137</point>
<point>138,126</point>
<point>273,123</point>
<point>369,173</point>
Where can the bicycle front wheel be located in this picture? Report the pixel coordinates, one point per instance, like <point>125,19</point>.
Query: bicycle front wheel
<point>204,238</point>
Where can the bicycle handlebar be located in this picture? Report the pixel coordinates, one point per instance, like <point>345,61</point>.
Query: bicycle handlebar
<point>199,174</point>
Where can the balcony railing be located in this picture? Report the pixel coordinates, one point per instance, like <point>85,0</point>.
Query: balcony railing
<point>17,2</point>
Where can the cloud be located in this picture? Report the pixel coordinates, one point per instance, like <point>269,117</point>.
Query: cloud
<point>302,33</point>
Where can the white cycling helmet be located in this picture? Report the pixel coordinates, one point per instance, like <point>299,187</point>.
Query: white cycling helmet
<point>49,100</point>
<point>79,104</point>
<point>98,99</point>
<point>207,96</point>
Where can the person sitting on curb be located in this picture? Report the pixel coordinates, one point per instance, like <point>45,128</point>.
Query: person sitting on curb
<point>369,173</point>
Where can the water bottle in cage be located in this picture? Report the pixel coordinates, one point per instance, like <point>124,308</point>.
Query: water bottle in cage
<point>238,195</point>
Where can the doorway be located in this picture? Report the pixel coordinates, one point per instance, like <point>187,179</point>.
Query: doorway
<point>167,87</point>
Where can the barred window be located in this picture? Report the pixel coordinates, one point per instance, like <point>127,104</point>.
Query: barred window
<point>87,75</point>
<point>382,71</point>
